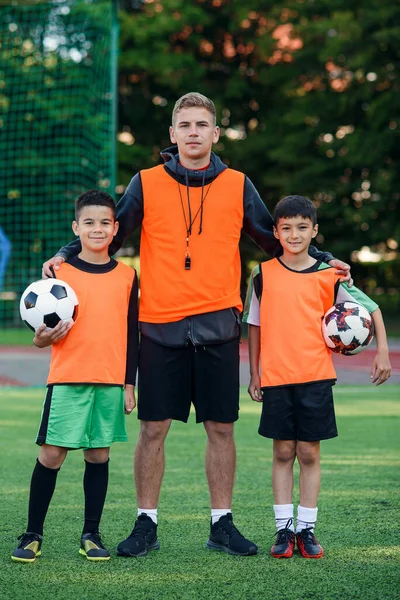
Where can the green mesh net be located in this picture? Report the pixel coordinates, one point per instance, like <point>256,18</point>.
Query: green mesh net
<point>57,131</point>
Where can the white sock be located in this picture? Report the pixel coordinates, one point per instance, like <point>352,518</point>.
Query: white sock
<point>150,512</point>
<point>284,515</point>
<point>217,513</point>
<point>306,518</point>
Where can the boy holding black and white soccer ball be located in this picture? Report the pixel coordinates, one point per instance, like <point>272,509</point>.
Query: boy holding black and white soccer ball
<point>91,378</point>
<point>286,301</point>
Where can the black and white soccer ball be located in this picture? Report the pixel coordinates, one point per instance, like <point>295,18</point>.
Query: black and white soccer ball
<point>48,301</point>
<point>347,328</point>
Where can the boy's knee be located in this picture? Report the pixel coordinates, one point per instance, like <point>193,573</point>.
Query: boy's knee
<point>52,457</point>
<point>308,452</point>
<point>284,451</point>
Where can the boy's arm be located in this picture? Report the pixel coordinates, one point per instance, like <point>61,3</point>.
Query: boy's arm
<point>132,353</point>
<point>381,368</point>
<point>345,293</point>
<point>47,337</point>
<point>254,358</point>
<point>129,398</point>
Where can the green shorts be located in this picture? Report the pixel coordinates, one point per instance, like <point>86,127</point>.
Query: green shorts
<point>82,416</point>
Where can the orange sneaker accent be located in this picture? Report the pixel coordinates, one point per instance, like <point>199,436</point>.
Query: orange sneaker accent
<point>284,544</point>
<point>308,544</point>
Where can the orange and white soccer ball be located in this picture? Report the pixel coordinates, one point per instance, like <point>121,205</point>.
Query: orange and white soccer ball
<point>347,328</point>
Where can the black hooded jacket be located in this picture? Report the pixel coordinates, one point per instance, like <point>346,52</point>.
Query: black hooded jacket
<point>218,326</point>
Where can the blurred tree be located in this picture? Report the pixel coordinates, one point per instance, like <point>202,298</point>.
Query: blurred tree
<point>307,95</point>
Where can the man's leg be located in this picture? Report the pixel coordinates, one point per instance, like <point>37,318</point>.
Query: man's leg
<point>220,463</point>
<point>220,470</point>
<point>149,465</point>
<point>149,462</point>
<point>165,383</point>
<point>216,399</point>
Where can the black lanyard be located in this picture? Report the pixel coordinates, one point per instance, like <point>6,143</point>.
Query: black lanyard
<point>189,221</point>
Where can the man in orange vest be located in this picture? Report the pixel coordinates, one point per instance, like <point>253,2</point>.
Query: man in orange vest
<point>192,210</point>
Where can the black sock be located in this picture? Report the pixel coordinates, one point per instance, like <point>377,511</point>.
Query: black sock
<point>43,483</point>
<point>95,483</point>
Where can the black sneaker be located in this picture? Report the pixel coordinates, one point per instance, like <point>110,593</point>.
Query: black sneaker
<point>92,547</point>
<point>28,548</point>
<point>142,539</point>
<point>308,544</point>
<point>224,536</point>
<point>284,543</point>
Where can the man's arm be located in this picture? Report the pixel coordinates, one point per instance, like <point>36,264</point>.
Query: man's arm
<point>257,220</point>
<point>129,215</point>
<point>258,224</point>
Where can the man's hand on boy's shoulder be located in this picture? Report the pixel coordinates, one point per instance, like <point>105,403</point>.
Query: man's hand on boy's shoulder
<point>129,398</point>
<point>343,269</point>
<point>55,262</point>
<point>46,337</point>
<point>254,388</point>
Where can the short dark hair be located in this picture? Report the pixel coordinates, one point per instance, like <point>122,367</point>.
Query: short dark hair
<point>94,198</point>
<point>295,206</point>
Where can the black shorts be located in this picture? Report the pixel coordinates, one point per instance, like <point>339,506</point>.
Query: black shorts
<point>171,379</point>
<point>303,412</point>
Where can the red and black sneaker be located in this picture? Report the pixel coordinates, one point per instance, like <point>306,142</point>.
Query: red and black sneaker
<point>308,544</point>
<point>284,543</point>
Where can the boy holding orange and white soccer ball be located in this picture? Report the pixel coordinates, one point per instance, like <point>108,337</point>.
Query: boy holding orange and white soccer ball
<point>286,301</point>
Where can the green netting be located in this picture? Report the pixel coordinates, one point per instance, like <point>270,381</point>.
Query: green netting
<point>57,129</point>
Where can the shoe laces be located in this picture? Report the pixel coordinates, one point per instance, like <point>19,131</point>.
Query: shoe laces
<point>28,537</point>
<point>307,535</point>
<point>143,525</point>
<point>96,539</point>
<point>284,534</point>
<point>228,527</point>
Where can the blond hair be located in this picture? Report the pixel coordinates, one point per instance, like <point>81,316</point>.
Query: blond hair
<point>191,100</point>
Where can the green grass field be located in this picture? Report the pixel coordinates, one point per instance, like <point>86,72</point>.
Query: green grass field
<point>358,514</point>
